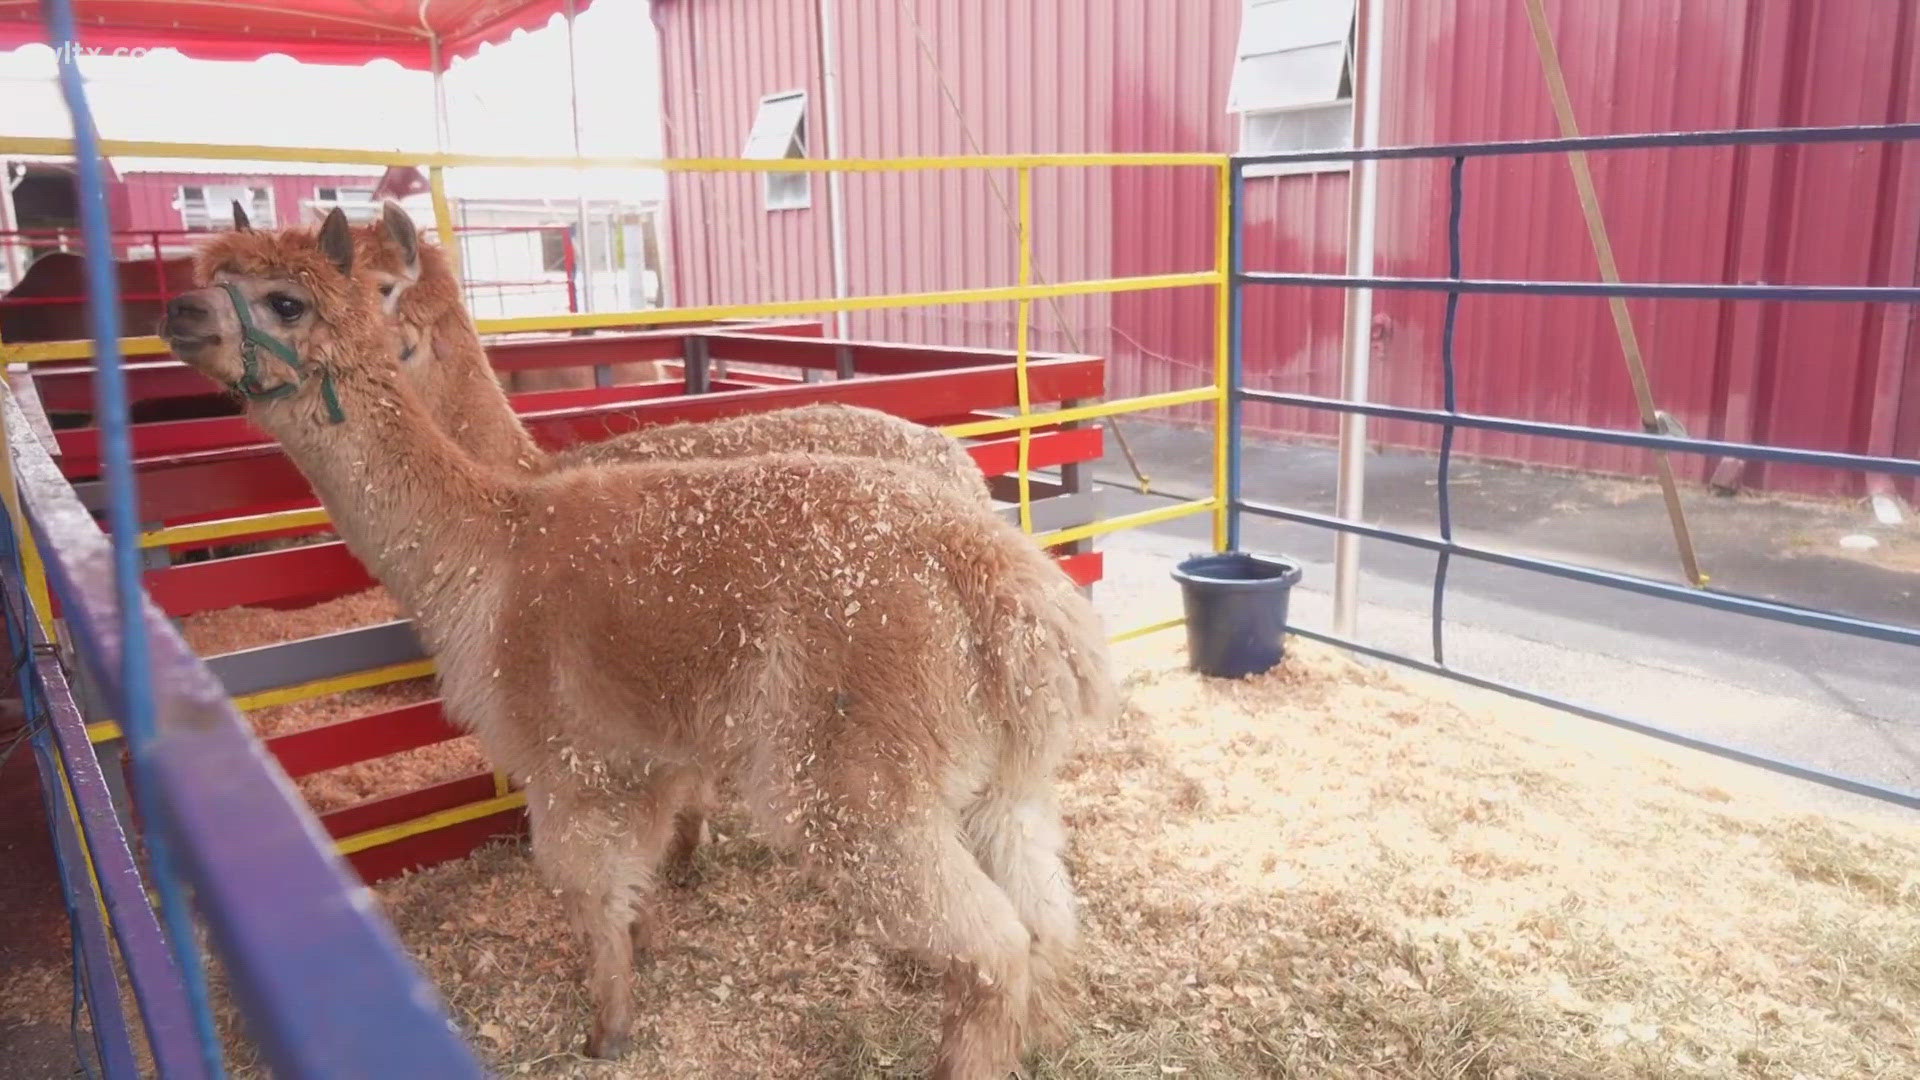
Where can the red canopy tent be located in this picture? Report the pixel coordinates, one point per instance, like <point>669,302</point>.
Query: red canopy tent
<point>420,34</point>
<point>311,31</point>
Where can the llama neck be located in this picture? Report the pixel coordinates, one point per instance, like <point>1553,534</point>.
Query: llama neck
<point>423,516</point>
<point>472,407</point>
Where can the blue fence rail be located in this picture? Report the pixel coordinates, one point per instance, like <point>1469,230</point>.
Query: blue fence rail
<point>1449,419</point>
<point>318,977</point>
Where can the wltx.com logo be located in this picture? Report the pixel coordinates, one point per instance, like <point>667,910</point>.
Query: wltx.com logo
<point>68,52</point>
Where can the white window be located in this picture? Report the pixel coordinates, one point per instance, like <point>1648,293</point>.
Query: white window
<point>209,207</point>
<point>780,132</point>
<point>357,203</point>
<point>1293,81</point>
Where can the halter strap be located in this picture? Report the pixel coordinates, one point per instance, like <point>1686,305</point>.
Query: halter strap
<point>252,340</point>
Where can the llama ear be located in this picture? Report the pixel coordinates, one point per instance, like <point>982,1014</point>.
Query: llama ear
<point>336,240</point>
<point>400,227</point>
<point>240,222</point>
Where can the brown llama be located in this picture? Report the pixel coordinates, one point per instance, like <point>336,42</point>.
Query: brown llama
<point>442,353</point>
<point>886,670</point>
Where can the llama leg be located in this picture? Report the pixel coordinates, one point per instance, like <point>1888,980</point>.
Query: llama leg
<point>570,839</point>
<point>930,896</point>
<point>659,823</point>
<point>605,923</point>
<point>600,850</point>
<point>1018,838</point>
<point>690,831</point>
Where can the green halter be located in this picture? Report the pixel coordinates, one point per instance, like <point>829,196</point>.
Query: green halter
<point>252,340</point>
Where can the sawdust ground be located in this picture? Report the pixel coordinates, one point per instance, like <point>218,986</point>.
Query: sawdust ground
<point>1328,871</point>
<point>215,632</point>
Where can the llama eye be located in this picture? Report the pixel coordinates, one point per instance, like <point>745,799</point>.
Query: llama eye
<point>386,289</point>
<point>286,307</point>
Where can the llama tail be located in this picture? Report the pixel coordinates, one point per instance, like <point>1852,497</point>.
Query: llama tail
<point>1077,631</point>
<point>1052,671</point>
<point>1054,666</point>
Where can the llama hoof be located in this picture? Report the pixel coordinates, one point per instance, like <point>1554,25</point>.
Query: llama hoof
<point>684,875</point>
<point>681,864</point>
<point>949,1071</point>
<point>646,937</point>
<point>608,1045</point>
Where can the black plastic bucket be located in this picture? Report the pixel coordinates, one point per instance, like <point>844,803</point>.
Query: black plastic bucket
<point>1236,605</point>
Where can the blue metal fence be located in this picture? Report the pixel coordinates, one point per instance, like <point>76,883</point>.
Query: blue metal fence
<point>1450,419</point>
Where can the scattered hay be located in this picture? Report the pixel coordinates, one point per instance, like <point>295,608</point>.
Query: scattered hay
<point>228,630</point>
<point>1324,872</point>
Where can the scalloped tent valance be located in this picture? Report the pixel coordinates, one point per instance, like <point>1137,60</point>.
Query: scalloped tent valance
<point>311,31</point>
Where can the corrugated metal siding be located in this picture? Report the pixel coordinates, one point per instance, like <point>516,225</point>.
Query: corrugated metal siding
<point>1168,98</point>
<point>720,58</point>
<point>1036,76</point>
<point>914,81</point>
<point>1833,219</point>
<point>1645,65</point>
<point>907,232</point>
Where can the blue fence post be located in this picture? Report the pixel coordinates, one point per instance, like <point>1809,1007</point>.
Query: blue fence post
<point>135,705</point>
<point>1456,186</point>
<point>1236,338</point>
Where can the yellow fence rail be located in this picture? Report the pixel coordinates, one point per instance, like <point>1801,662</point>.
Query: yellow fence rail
<point>50,351</point>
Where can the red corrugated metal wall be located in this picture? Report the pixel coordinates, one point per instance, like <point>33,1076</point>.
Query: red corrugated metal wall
<point>1151,75</point>
<point>906,232</point>
<point>719,58</point>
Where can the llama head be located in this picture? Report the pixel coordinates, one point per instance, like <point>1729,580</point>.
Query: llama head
<point>283,319</point>
<point>416,281</point>
<point>390,251</point>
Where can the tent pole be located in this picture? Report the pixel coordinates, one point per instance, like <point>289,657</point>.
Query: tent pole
<point>1357,354</point>
<point>580,201</point>
<point>436,176</point>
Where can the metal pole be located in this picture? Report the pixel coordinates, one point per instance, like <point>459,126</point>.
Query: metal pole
<point>1235,180</point>
<point>1362,208</point>
<point>436,176</point>
<point>159,269</point>
<point>571,264</point>
<point>827,20</point>
<point>1025,319</point>
<point>580,198</point>
<point>9,225</point>
<point>137,699</point>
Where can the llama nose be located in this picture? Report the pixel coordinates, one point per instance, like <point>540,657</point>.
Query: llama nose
<point>186,309</point>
